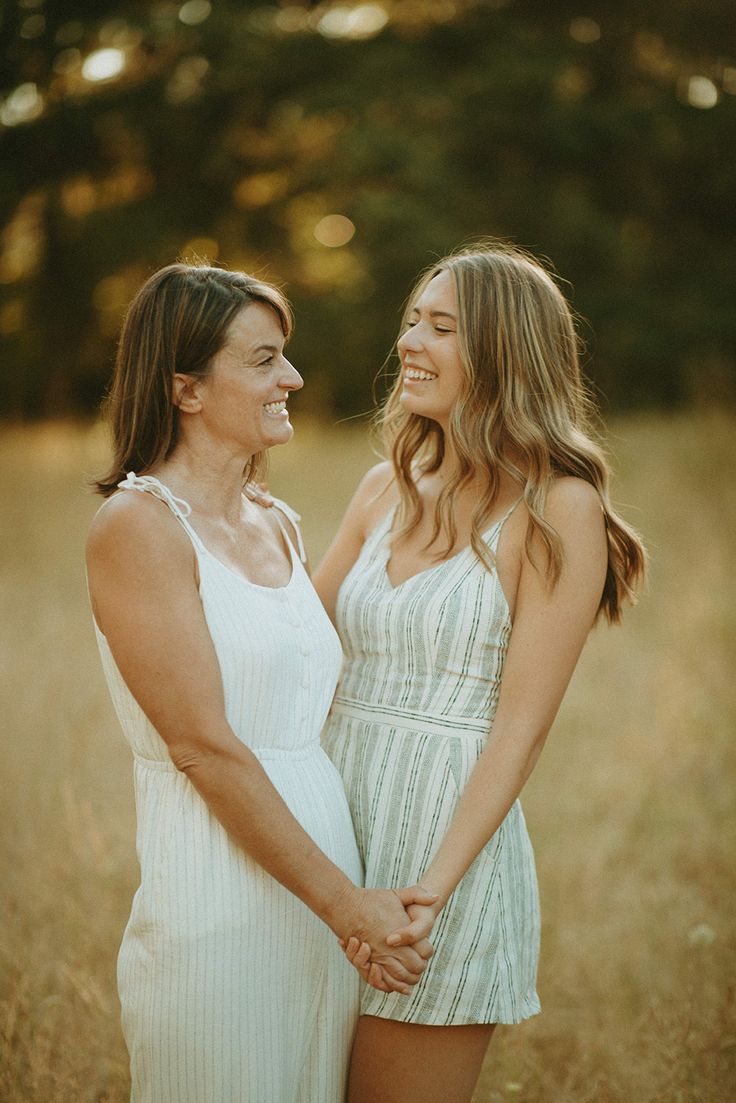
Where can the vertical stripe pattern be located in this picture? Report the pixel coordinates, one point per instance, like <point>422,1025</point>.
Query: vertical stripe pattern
<point>416,700</point>
<point>232,991</point>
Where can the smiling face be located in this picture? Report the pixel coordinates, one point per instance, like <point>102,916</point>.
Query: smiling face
<point>432,374</point>
<point>242,400</point>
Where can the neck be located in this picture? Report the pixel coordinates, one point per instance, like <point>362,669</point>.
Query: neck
<point>208,477</point>
<point>477,482</point>
<point>450,464</point>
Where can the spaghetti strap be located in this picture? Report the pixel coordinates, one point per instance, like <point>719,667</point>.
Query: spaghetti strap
<point>495,532</point>
<point>181,509</point>
<point>292,516</point>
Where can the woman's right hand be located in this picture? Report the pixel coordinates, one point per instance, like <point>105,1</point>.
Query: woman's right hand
<point>370,915</point>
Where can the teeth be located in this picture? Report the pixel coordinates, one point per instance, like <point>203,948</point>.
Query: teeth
<point>417,373</point>
<point>275,407</point>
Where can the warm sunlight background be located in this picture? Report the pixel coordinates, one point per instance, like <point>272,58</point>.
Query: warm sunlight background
<point>336,147</point>
<point>630,808</point>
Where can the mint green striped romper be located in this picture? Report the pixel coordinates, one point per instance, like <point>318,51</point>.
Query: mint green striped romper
<point>416,699</point>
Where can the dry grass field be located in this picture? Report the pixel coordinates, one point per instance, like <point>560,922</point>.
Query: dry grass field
<point>631,808</point>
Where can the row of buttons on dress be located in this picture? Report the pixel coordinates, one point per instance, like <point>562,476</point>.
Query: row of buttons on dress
<point>293,619</point>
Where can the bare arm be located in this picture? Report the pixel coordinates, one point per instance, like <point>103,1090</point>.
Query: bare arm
<point>373,498</point>
<point>141,569</point>
<point>550,628</point>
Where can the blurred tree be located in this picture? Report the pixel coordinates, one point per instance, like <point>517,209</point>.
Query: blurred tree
<point>598,135</point>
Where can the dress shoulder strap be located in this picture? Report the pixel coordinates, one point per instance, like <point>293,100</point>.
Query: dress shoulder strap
<point>292,516</point>
<point>495,532</point>
<point>149,484</point>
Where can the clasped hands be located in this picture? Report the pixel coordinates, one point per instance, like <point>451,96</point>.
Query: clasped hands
<point>386,936</point>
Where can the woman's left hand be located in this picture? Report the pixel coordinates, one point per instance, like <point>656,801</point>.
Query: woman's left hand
<point>359,954</point>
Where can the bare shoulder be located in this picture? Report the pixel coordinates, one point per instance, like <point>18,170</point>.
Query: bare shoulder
<point>572,502</point>
<point>135,524</point>
<point>377,480</point>
<point>377,493</point>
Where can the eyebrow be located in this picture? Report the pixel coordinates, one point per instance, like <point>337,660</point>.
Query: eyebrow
<point>265,348</point>
<point>435,313</point>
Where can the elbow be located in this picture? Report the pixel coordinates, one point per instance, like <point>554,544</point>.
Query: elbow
<point>191,758</point>
<point>198,755</point>
<point>534,747</point>
<point>186,758</point>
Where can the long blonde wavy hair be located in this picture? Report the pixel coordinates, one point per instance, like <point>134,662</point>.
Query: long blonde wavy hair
<point>523,409</point>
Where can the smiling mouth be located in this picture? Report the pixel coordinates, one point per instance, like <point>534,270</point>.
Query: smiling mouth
<point>417,375</point>
<point>275,408</point>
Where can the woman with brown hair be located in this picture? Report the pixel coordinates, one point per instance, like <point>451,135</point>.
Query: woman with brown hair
<point>463,581</point>
<point>222,664</point>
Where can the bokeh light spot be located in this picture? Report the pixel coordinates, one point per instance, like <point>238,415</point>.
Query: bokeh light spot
<point>68,61</point>
<point>23,105</point>
<point>292,19</point>
<point>199,249</point>
<point>334,230</point>
<point>261,189</point>
<point>103,65</point>
<point>362,21</point>
<point>23,240</point>
<point>701,92</point>
<point>12,317</point>
<point>111,297</point>
<point>186,81</point>
<point>585,30</point>
<point>33,26</point>
<point>78,196</point>
<point>194,12</point>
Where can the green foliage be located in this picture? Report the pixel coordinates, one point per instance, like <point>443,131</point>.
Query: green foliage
<point>577,133</point>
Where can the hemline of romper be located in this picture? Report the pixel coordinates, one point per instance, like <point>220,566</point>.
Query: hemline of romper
<point>532,1007</point>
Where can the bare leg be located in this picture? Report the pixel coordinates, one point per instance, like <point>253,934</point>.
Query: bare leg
<point>396,1062</point>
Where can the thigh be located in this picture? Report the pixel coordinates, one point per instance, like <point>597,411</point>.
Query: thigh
<point>411,1063</point>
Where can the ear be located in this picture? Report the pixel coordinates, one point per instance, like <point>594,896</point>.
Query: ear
<point>185,394</point>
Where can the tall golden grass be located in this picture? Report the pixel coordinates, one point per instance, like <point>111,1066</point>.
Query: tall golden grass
<point>631,807</point>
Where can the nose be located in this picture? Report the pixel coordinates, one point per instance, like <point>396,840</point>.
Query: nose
<point>410,340</point>
<point>290,379</point>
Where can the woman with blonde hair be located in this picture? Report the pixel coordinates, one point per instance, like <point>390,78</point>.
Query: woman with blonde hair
<point>221,665</point>
<point>463,582</point>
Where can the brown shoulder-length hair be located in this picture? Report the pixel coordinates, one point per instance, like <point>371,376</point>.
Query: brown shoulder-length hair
<point>176,324</point>
<point>523,398</point>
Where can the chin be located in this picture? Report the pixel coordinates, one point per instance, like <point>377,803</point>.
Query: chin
<point>283,436</point>
<point>409,402</point>
<point>414,405</point>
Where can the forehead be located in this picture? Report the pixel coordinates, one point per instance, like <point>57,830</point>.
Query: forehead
<point>256,324</point>
<point>439,294</point>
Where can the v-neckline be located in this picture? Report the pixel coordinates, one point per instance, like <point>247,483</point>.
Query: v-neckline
<point>435,566</point>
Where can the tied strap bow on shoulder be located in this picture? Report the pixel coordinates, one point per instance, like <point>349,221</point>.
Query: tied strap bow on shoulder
<point>151,485</point>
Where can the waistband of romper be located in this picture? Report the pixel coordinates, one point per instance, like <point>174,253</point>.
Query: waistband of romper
<point>411,720</point>
<point>263,754</point>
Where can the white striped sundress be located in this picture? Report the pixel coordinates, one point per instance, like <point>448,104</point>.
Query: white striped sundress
<point>232,990</point>
<point>416,700</point>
